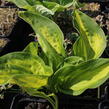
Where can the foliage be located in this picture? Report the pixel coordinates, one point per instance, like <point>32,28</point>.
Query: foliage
<point>46,7</point>
<point>90,34</point>
<point>52,68</point>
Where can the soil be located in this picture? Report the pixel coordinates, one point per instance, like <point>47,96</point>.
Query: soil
<point>3,43</point>
<point>19,37</point>
<point>8,18</point>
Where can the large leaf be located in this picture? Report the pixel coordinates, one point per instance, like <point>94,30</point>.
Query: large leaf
<point>92,41</point>
<point>76,79</point>
<point>49,37</point>
<point>47,28</point>
<point>23,69</point>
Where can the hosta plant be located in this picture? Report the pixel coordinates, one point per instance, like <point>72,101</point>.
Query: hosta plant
<point>51,68</point>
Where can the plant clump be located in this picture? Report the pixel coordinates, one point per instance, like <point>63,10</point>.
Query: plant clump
<point>52,70</point>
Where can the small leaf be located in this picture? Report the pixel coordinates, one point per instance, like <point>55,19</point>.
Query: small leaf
<point>92,41</point>
<point>76,79</point>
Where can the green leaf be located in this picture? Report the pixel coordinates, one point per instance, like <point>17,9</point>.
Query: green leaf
<point>32,48</point>
<point>33,64</point>
<point>76,79</point>
<point>92,41</point>
<point>24,69</point>
<point>47,28</point>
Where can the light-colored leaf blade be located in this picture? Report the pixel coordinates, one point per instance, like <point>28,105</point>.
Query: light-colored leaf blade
<point>19,67</point>
<point>50,30</point>
<point>49,37</point>
<point>76,79</point>
<point>92,36</point>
